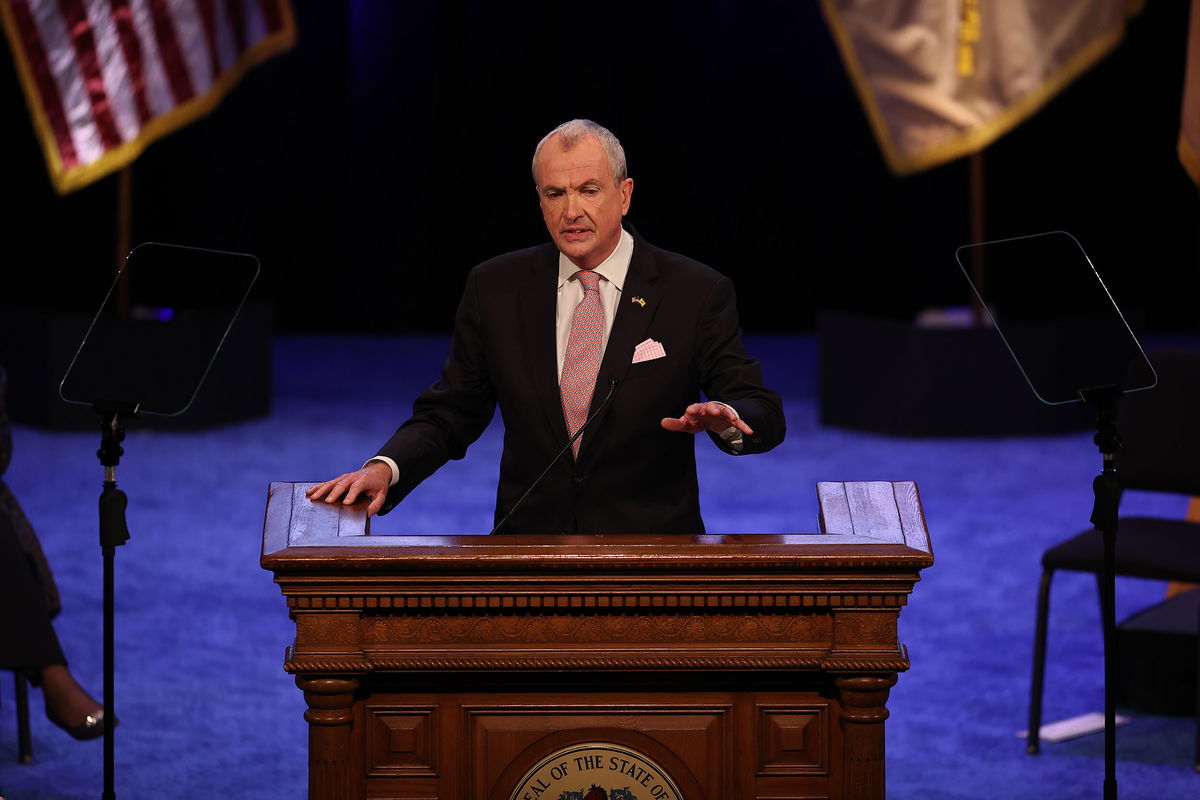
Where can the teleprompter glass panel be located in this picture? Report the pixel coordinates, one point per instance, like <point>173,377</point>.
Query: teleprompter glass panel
<point>159,328</point>
<point>1056,316</point>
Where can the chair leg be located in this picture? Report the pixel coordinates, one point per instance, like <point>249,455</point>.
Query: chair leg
<point>1196,759</point>
<point>24,740</point>
<point>1033,742</point>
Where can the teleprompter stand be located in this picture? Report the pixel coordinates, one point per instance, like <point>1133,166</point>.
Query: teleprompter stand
<point>1044,288</point>
<point>114,532</point>
<point>147,351</point>
<point>1107,497</point>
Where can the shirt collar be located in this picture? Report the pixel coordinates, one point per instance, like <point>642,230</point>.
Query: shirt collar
<point>613,269</point>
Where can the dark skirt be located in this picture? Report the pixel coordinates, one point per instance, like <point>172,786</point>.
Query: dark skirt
<point>27,638</point>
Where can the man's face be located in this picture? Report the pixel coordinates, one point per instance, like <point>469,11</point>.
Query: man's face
<point>582,203</point>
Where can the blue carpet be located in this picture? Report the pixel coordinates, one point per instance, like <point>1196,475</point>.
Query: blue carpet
<point>197,619</point>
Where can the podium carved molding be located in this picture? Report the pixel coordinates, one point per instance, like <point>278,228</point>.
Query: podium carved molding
<point>583,630</point>
<point>626,660</point>
<point>575,601</point>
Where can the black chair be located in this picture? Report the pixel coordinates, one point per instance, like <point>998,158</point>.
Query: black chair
<point>1160,451</point>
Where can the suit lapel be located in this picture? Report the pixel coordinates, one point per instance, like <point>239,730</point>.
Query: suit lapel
<point>537,306</point>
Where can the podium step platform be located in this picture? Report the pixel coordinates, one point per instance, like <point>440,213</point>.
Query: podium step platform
<point>893,377</point>
<point>37,345</point>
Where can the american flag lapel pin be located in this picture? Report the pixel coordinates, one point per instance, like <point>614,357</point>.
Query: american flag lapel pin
<point>638,300</point>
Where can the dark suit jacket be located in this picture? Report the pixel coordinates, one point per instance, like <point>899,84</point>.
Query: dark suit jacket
<point>632,476</point>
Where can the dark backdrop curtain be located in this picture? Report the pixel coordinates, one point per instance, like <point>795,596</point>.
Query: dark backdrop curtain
<point>373,165</point>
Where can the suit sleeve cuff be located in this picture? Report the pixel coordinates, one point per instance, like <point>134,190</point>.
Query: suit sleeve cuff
<point>391,465</point>
<point>731,435</point>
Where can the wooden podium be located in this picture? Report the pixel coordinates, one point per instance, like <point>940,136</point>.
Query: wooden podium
<point>588,667</point>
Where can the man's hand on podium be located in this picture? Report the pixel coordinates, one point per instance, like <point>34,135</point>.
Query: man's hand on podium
<point>370,482</point>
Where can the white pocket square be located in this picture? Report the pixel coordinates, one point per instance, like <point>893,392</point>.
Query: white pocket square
<point>648,351</point>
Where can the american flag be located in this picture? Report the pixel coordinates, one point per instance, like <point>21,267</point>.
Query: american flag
<point>105,78</point>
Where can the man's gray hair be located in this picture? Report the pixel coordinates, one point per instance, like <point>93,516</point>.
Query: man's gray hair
<point>572,132</point>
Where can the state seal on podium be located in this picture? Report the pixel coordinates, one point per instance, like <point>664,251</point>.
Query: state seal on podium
<point>596,771</point>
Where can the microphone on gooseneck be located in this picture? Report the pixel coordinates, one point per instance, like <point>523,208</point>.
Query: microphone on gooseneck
<point>612,385</point>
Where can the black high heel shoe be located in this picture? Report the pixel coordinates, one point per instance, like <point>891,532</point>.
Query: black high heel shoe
<point>93,726</point>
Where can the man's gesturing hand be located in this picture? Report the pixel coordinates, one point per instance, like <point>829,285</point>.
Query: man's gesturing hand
<point>371,482</point>
<point>710,416</point>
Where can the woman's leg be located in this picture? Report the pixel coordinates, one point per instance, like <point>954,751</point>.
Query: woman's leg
<point>28,642</point>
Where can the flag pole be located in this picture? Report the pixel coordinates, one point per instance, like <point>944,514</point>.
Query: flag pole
<point>124,233</point>
<point>977,227</point>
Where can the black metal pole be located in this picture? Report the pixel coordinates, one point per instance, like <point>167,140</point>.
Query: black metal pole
<point>1109,611</point>
<point>1107,490</point>
<point>113,533</point>
<point>109,671</point>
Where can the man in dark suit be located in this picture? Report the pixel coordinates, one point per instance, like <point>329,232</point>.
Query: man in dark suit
<point>617,361</point>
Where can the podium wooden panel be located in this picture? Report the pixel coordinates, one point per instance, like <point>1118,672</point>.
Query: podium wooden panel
<point>745,666</point>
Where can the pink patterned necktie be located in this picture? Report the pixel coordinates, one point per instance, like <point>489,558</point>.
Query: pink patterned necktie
<point>581,362</point>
